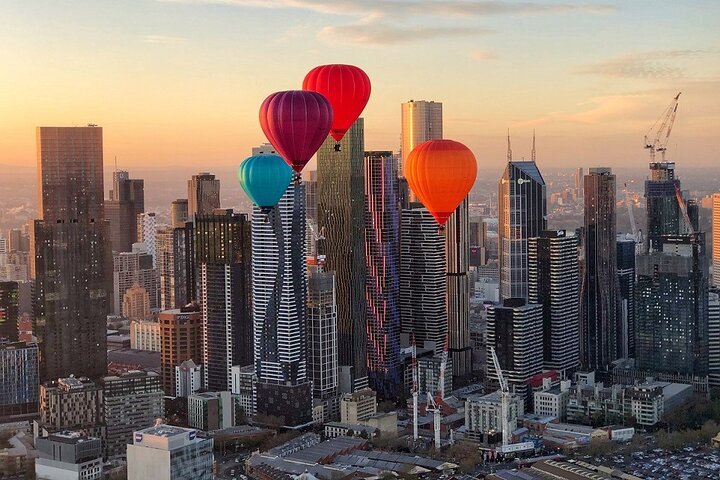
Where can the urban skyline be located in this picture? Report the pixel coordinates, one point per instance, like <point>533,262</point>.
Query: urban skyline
<point>443,302</point>
<point>611,80</point>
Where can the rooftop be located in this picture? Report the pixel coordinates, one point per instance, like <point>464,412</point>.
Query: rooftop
<point>166,431</point>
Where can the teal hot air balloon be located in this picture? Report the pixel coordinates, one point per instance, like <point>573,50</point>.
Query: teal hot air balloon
<point>264,179</point>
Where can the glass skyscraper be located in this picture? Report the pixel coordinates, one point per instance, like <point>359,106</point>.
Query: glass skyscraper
<point>71,260</point>
<point>626,284</point>
<point>672,307</point>
<point>457,253</point>
<point>522,214</point>
<point>203,194</point>
<point>599,327</point>
<point>341,213</point>
<point>663,211</point>
<point>382,267</point>
<point>222,255</point>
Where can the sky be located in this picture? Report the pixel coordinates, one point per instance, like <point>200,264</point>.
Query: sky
<point>178,83</point>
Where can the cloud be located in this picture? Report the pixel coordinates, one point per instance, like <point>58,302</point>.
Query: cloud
<point>162,39</point>
<point>375,33</point>
<point>462,8</point>
<point>482,55</point>
<point>600,110</point>
<point>660,64</point>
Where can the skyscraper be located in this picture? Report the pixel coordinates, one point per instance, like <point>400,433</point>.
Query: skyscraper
<point>222,254</point>
<point>522,214</point>
<point>626,285</point>
<point>9,304</point>
<point>382,267</point>
<point>203,194</point>
<point>663,210</point>
<point>599,328</point>
<point>716,239</point>
<point>341,212</point>
<point>422,279</point>
<point>553,282</point>
<point>322,340</point>
<point>279,302</point>
<point>514,328</point>
<point>172,266</point>
<point>421,121</point>
<point>179,213</point>
<point>127,200</point>
<point>146,233</point>
<point>672,307</point>
<point>457,252</point>
<point>20,381</point>
<point>71,259</point>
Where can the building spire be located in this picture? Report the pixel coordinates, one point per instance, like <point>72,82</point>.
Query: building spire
<point>509,150</point>
<point>532,152</point>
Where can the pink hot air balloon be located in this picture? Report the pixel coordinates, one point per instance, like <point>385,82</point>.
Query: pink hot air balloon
<point>296,123</point>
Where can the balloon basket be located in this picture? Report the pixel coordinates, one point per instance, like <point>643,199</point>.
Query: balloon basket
<point>441,230</point>
<point>337,147</point>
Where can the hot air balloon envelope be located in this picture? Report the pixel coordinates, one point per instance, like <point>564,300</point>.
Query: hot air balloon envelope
<point>441,173</point>
<point>346,87</point>
<point>296,123</point>
<point>264,179</point>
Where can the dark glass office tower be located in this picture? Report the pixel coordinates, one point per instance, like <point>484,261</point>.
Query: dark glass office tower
<point>127,200</point>
<point>663,211</point>
<point>9,305</point>
<point>553,282</point>
<point>599,327</point>
<point>341,212</point>
<point>672,307</point>
<point>522,214</point>
<point>626,285</point>
<point>72,259</point>
<point>203,194</point>
<point>279,286</point>
<point>223,258</point>
<point>382,267</point>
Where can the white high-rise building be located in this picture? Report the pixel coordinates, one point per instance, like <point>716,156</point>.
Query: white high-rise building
<point>279,301</point>
<point>716,239</point>
<point>422,279</point>
<point>421,121</point>
<point>147,229</point>
<point>188,378</point>
<point>553,281</point>
<point>165,452</point>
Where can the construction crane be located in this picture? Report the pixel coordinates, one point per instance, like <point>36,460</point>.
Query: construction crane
<point>415,388</point>
<point>443,367</point>
<point>637,234</point>
<point>504,399</point>
<point>683,209</point>
<point>661,134</point>
<point>432,406</point>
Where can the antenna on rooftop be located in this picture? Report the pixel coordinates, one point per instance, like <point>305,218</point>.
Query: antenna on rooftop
<point>509,150</point>
<point>532,152</point>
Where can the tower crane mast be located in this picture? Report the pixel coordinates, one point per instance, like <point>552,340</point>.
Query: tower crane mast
<point>504,399</point>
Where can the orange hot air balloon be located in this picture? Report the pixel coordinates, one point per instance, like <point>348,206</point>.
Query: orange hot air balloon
<point>441,173</point>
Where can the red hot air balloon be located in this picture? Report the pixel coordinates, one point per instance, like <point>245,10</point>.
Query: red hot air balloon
<point>346,87</point>
<point>296,123</point>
